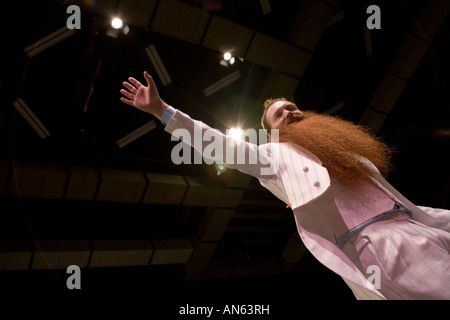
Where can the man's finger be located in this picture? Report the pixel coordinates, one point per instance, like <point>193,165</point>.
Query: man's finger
<point>129,102</point>
<point>136,83</point>
<point>127,94</point>
<point>151,83</point>
<point>130,87</point>
<point>148,78</point>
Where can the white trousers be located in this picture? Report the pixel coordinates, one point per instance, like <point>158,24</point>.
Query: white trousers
<point>413,260</point>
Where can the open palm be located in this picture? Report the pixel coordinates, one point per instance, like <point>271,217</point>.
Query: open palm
<point>145,98</point>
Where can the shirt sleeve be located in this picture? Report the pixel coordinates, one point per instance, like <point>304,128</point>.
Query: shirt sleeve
<point>214,146</point>
<point>168,114</point>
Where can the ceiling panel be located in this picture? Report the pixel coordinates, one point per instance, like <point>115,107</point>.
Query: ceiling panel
<point>15,255</point>
<point>214,224</point>
<point>121,185</point>
<point>279,85</point>
<point>199,259</point>
<point>226,36</point>
<point>36,179</point>
<point>136,12</point>
<point>268,51</point>
<point>179,20</point>
<point>296,62</point>
<point>310,23</point>
<point>82,184</point>
<point>409,57</point>
<point>203,192</point>
<point>60,254</point>
<point>171,251</point>
<point>103,7</point>
<point>119,253</point>
<point>164,189</point>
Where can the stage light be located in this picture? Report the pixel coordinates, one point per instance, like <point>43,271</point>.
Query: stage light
<point>31,118</point>
<point>139,132</point>
<point>117,26</point>
<point>265,5</point>
<point>157,63</point>
<point>235,133</point>
<point>125,29</point>
<point>49,41</point>
<point>222,83</point>
<point>228,59</point>
<point>116,23</point>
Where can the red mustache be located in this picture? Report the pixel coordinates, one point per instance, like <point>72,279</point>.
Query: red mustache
<point>291,117</point>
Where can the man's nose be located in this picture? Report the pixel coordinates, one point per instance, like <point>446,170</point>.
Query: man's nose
<point>287,114</point>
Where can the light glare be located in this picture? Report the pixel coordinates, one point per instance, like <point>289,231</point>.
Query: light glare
<point>227,56</point>
<point>117,23</point>
<point>236,133</point>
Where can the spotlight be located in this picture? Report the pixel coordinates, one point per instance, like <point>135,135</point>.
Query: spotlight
<point>117,26</point>
<point>229,60</point>
<point>117,23</point>
<point>235,133</point>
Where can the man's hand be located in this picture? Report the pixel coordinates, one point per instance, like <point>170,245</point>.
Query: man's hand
<point>145,98</point>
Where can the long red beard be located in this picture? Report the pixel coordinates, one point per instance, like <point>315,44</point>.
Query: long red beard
<point>335,142</point>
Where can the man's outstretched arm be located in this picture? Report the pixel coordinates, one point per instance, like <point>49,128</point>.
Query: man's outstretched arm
<point>147,99</point>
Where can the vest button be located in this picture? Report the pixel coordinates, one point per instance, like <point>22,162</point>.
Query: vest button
<point>305,169</point>
<point>317,184</point>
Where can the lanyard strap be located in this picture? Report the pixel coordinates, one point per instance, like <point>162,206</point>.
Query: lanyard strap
<point>398,207</point>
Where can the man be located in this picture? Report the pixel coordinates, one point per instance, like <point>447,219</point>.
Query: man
<point>351,219</point>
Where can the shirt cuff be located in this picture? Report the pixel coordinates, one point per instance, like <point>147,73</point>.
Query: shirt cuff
<point>168,114</point>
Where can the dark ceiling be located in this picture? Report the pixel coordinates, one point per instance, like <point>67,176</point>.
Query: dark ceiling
<point>399,89</point>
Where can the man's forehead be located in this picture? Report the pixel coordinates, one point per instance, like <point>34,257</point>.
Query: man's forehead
<point>279,105</point>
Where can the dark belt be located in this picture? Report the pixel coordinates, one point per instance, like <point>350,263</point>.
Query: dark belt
<point>398,207</point>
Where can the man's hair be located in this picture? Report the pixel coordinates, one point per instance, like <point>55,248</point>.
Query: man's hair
<point>264,123</point>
